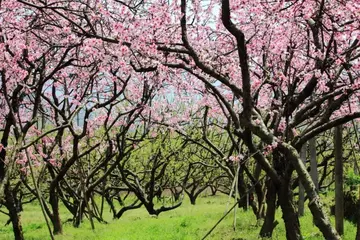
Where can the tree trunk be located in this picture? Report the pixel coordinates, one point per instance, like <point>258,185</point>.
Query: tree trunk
<point>301,188</point>
<point>80,208</point>
<point>55,218</point>
<point>175,193</point>
<point>192,200</point>
<point>13,213</point>
<point>269,224</point>
<point>339,191</point>
<point>260,195</point>
<point>177,196</point>
<point>321,219</point>
<point>213,190</point>
<point>291,220</point>
<point>260,201</point>
<point>111,204</point>
<point>243,202</point>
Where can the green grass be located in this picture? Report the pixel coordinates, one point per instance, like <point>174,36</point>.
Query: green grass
<point>186,223</point>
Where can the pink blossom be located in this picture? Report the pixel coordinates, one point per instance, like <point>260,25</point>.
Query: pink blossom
<point>52,161</point>
<point>282,125</point>
<point>270,147</point>
<point>25,170</point>
<point>318,74</point>
<point>338,62</point>
<point>236,158</point>
<point>21,160</point>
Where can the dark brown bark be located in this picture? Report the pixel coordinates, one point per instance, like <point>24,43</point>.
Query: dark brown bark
<point>55,217</point>
<point>242,190</point>
<point>192,199</point>
<point>301,188</point>
<point>321,219</point>
<point>111,205</point>
<point>260,195</point>
<point>78,217</point>
<point>213,190</point>
<point>290,216</point>
<point>14,213</point>
<point>127,208</point>
<point>269,224</point>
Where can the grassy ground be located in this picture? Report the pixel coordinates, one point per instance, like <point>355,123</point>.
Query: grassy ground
<point>187,222</point>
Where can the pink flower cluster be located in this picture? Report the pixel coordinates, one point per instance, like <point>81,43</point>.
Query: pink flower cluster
<point>269,148</point>
<point>237,158</point>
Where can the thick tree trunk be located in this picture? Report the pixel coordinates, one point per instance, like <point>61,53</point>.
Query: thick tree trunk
<point>269,222</point>
<point>150,208</point>
<point>14,214</point>
<point>192,199</point>
<point>290,216</point>
<point>321,219</point>
<point>301,188</point>
<point>213,190</point>
<point>285,169</point>
<point>243,202</point>
<point>339,191</point>
<point>55,218</point>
